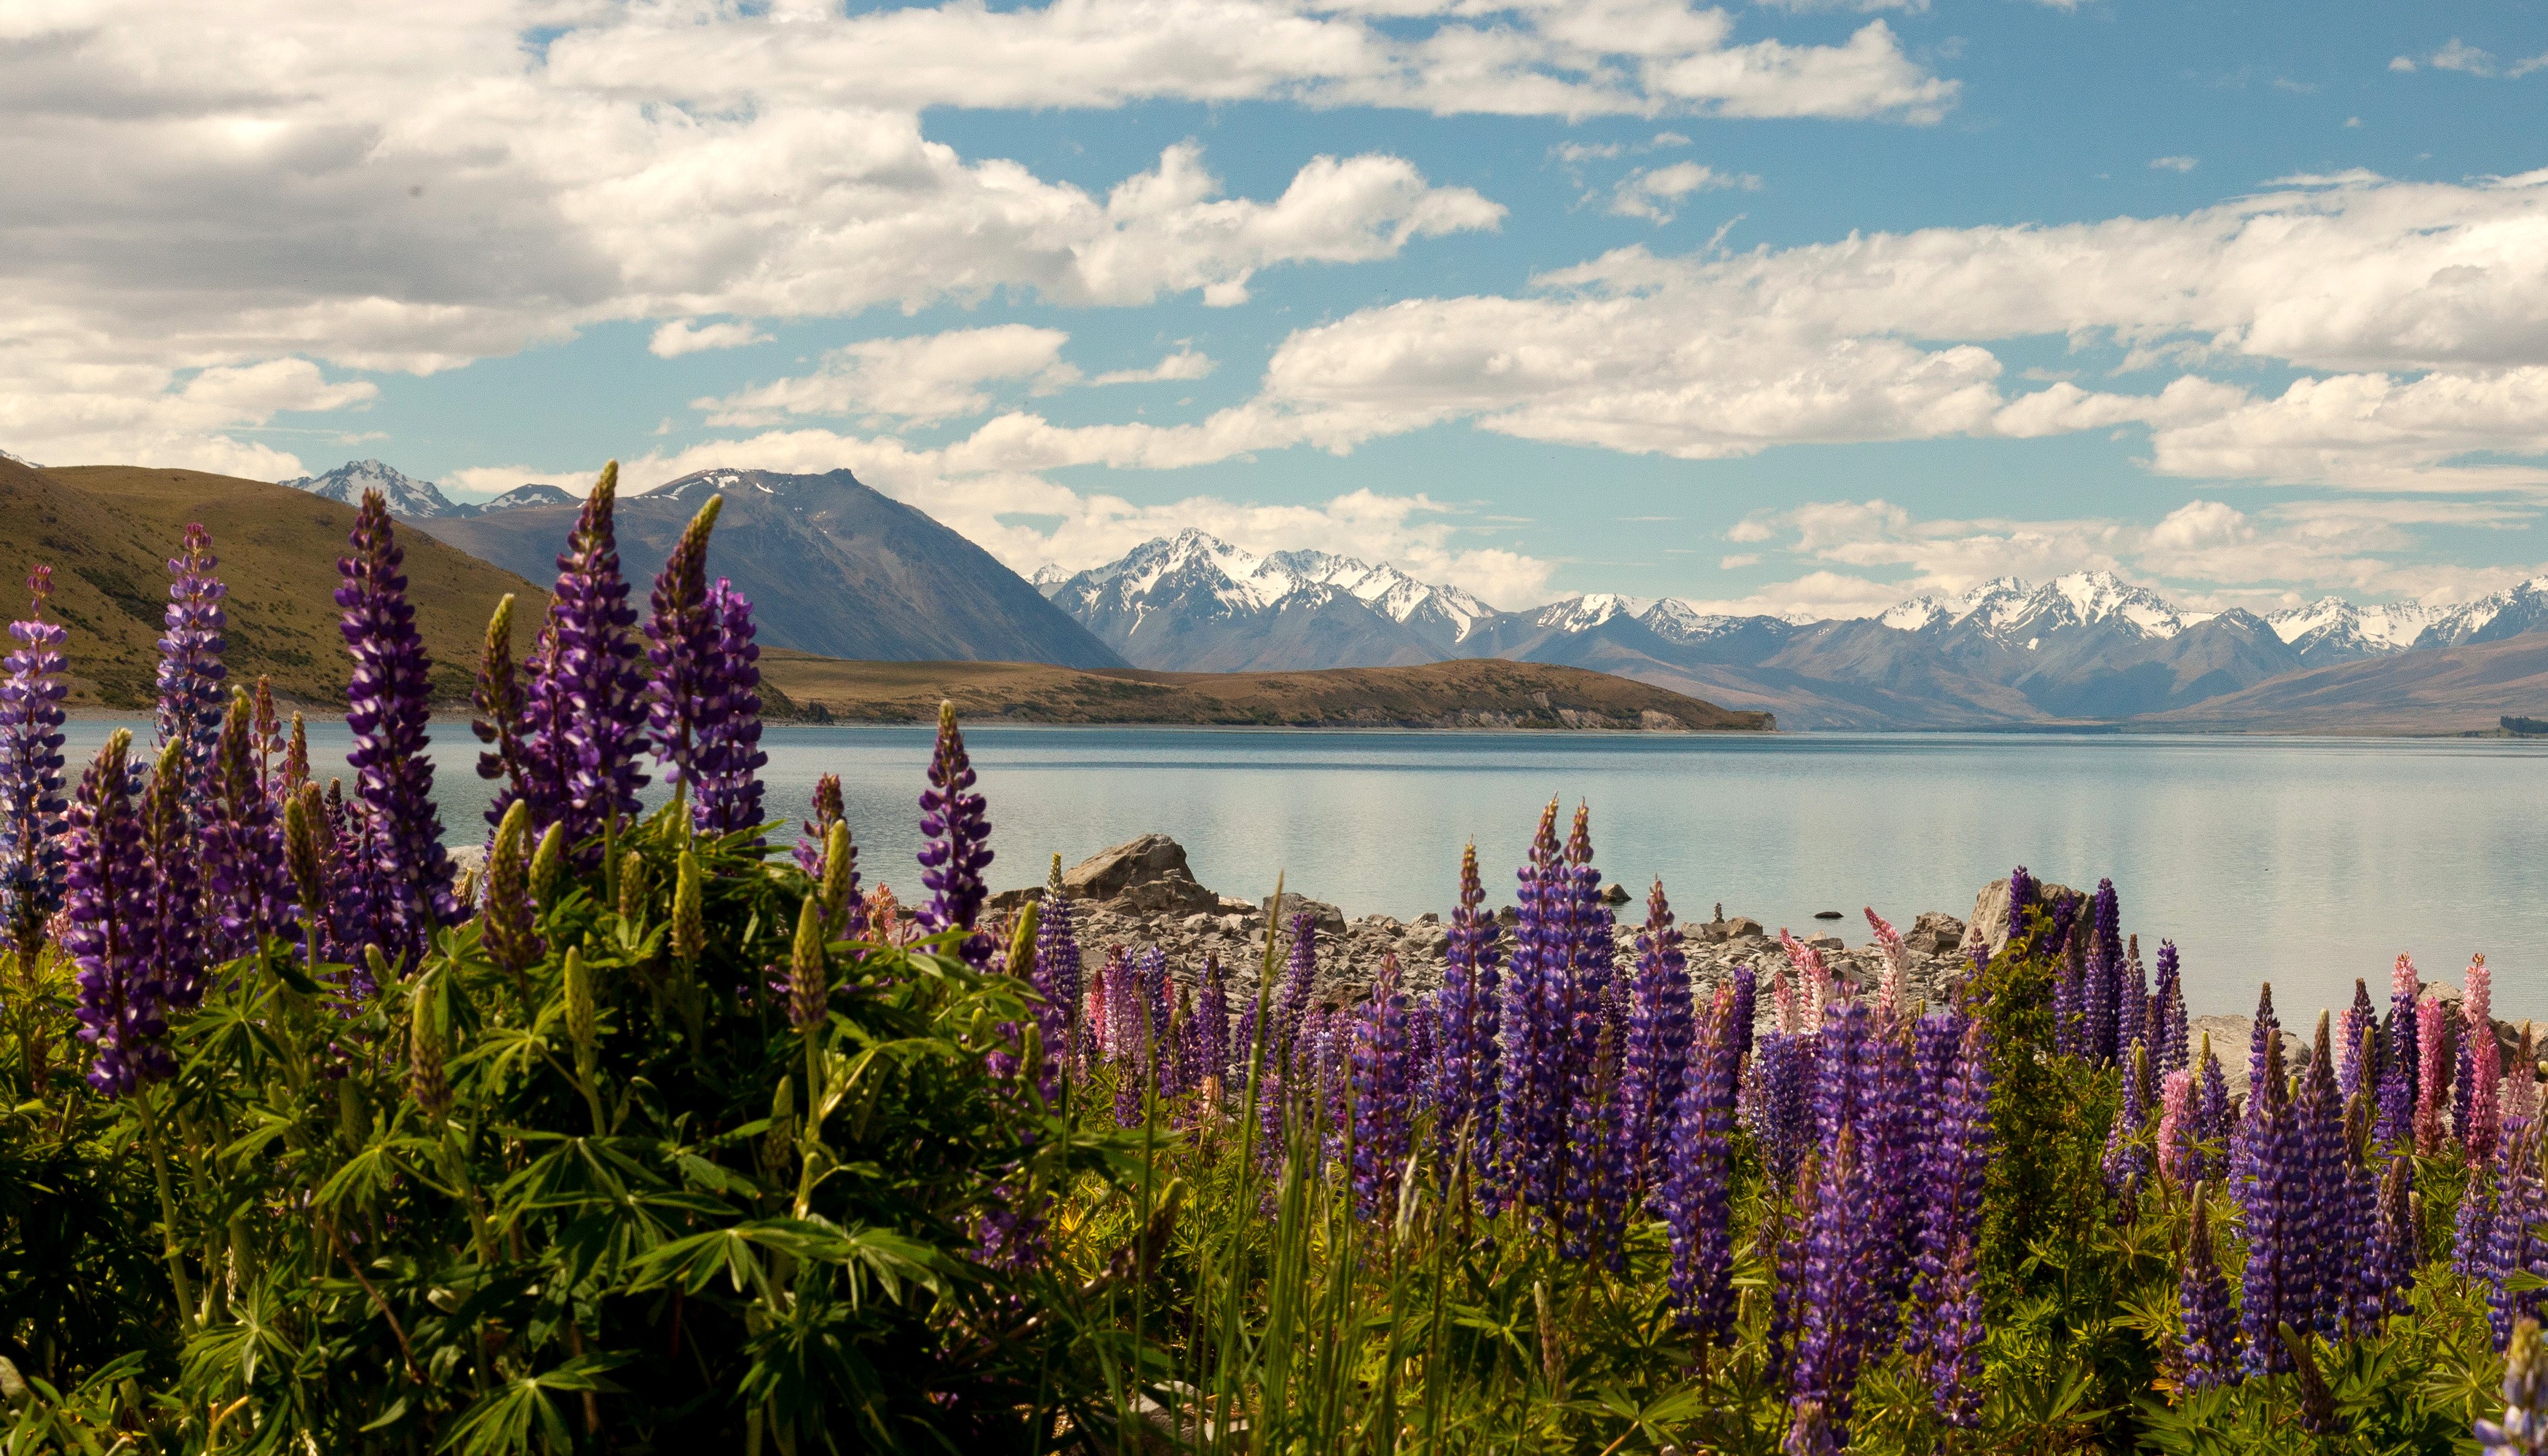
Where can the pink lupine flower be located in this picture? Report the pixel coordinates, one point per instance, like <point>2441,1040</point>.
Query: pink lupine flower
<point>2433,1084</point>
<point>2175,1146</point>
<point>1815,976</point>
<point>1897,964</point>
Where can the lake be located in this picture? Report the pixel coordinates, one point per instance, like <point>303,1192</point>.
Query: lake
<point>2305,861</point>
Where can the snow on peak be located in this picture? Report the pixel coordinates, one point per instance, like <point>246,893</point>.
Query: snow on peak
<point>347,481</point>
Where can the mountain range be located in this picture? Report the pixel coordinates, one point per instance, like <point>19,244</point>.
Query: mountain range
<point>415,499</point>
<point>831,567</point>
<point>2084,648</point>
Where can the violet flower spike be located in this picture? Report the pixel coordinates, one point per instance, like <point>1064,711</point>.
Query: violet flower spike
<point>729,756</point>
<point>498,699</point>
<point>1383,1072</point>
<point>1056,966</point>
<point>176,880</point>
<point>2211,1349</point>
<point>1657,1058</point>
<point>190,656</point>
<point>386,706</point>
<point>586,696</point>
<point>2400,1072</point>
<point>1536,1025</point>
<point>1466,1045</point>
<point>113,935</point>
<point>1697,1185</point>
<point>32,869</point>
<point>246,883</point>
<point>2167,1011</point>
<point>828,811</point>
<point>956,848</point>
<point>2523,1427</point>
<point>705,721</point>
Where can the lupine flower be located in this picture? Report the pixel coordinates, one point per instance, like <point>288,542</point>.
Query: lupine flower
<point>1383,1072</point>
<point>296,758</point>
<point>1836,1297</point>
<point>2069,1003</point>
<point>2513,1245</point>
<point>243,844</point>
<point>304,856</point>
<point>176,880</point>
<point>2097,1006</point>
<point>1465,1048</point>
<point>2215,1119</point>
<point>1746,984</point>
<point>2353,1056</point>
<point>2486,1091</point>
<point>2132,1006</point>
<point>2473,1229</point>
<point>1784,1230</point>
<point>1588,991</point>
<point>1153,990</point>
<point>2203,1303</point>
<point>428,1082</point>
<point>809,972</point>
<point>113,936</point>
<point>2020,898</point>
<point>1786,1008</point>
<point>32,869</point>
<point>817,831</point>
<point>190,656</point>
<point>1779,1110</point>
<point>2322,1214</point>
<point>2176,1156</point>
<point>2400,1072</point>
<point>2167,1012</point>
<point>510,940</point>
<point>955,844</point>
<point>2264,1033</point>
<point>586,696</point>
<point>2271,1183</point>
<point>1211,1020</point>
<point>2125,1162</point>
<point>2523,1428</point>
<point>1596,1158</point>
<point>498,696</point>
<point>1056,963</point>
<point>729,755</point>
<point>1946,1330</point>
<point>1897,963</point>
<point>684,632</point>
<point>2387,1267</point>
<point>1292,999</point>
<point>1656,1059</point>
<point>1813,979</point>
<point>1697,1185</point>
<point>2521,1084</point>
<point>387,705</point>
<point>1537,1025</point>
<point>2433,1083</point>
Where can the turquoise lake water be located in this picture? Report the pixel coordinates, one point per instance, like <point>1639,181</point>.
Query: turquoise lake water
<point>2307,861</point>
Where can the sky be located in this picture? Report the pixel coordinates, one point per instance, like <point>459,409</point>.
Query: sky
<point>1796,307</point>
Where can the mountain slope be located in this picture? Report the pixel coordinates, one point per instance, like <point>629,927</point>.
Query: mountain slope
<point>408,499</point>
<point>2442,689</point>
<point>831,567</point>
<point>108,531</point>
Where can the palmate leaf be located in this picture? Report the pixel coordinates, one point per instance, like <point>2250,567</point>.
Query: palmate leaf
<point>507,1421</point>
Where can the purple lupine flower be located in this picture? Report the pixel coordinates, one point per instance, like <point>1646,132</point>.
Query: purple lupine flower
<point>2399,1071</point>
<point>828,811</point>
<point>1057,967</point>
<point>1658,1051</point>
<point>2215,1117</point>
<point>1292,998</point>
<point>32,869</point>
<point>1836,1297</point>
<point>1383,1072</point>
<point>2513,1245</point>
<point>1153,990</point>
<point>387,702</point>
<point>1537,1028</point>
<point>1592,950</point>
<point>246,883</point>
<point>2132,1006</point>
<point>1596,1172</point>
<point>190,656</point>
<point>356,897</point>
<point>1465,1048</point>
<point>2266,1032</point>
<point>2020,898</point>
<point>1746,987</point>
<point>2388,1269</point>
<point>1892,1119</point>
<point>2069,1007</point>
<point>1211,1020</point>
<point>2322,1215</point>
<point>683,630</point>
<point>955,844</point>
<point>2125,1162</point>
<point>2167,1013</point>
<point>2097,1026</point>
<point>113,937</point>
<point>2203,1301</point>
<point>2270,1179</point>
<point>2433,1059</point>
<point>1946,1330</point>
<point>587,699</point>
<point>1699,1176</point>
<point>1785,1231</point>
<point>2354,1055</point>
<point>729,753</point>
<point>2473,1228</point>
<point>176,901</point>
<point>1780,1109</point>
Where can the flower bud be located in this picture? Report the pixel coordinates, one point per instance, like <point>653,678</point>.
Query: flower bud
<point>840,871</point>
<point>304,829</point>
<point>510,940</point>
<point>379,964</point>
<point>426,1080</point>
<point>689,921</point>
<point>632,887</point>
<point>1022,944</point>
<point>548,865</point>
<point>580,1012</point>
<point>809,985</point>
<point>782,1124</point>
<point>295,756</point>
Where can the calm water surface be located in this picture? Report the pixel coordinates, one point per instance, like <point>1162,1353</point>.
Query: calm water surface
<point>2307,861</point>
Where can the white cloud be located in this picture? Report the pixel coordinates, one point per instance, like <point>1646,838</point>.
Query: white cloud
<point>1184,364</point>
<point>681,336</point>
<point>2174,163</point>
<point>1656,192</point>
<point>920,379</point>
<point>2470,60</point>
<point>486,482</point>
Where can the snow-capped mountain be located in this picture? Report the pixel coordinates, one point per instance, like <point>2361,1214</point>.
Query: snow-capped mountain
<point>1193,602</point>
<point>2334,630</point>
<point>408,499</point>
<point>2010,612</point>
<point>2520,608</point>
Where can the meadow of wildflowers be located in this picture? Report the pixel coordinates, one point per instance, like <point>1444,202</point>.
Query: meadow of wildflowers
<point>652,1133</point>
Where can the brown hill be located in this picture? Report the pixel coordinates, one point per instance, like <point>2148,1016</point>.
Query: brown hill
<point>2435,690</point>
<point>108,531</point>
<point>1470,693</point>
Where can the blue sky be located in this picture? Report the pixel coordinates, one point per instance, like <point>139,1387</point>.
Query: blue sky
<point>1800,307</point>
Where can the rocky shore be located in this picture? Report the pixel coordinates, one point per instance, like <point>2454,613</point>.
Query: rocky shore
<point>1144,893</point>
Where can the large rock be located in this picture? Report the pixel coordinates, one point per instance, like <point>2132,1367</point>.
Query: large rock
<point>1148,874</point>
<point>1331,920</point>
<point>1935,933</point>
<point>1990,910</point>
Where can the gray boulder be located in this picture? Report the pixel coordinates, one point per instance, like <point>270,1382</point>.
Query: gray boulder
<point>1148,874</point>
<point>1990,910</point>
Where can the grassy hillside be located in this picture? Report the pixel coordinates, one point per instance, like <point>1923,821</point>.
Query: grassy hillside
<point>2435,690</point>
<point>108,532</point>
<point>1475,694</point>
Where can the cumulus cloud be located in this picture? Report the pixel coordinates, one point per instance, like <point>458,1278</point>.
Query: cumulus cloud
<point>2174,163</point>
<point>921,378</point>
<point>1657,193</point>
<point>681,336</point>
<point>1184,364</point>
